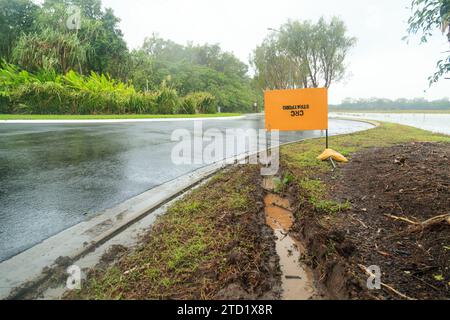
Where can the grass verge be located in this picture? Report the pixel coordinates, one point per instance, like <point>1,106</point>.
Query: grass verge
<point>341,218</point>
<point>214,243</point>
<point>111,117</point>
<point>210,244</point>
<point>300,159</point>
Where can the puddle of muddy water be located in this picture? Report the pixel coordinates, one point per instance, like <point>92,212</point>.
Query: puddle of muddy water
<point>297,279</point>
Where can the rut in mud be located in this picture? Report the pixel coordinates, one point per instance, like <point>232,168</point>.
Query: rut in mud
<point>297,278</point>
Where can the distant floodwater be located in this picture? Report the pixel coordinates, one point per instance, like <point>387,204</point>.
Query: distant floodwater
<point>434,122</point>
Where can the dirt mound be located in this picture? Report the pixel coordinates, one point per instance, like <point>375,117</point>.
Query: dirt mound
<point>392,191</point>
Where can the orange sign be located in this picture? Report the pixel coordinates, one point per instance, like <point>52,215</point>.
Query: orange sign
<point>298,109</point>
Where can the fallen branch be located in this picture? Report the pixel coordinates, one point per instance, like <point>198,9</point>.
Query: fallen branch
<point>401,218</point>
<point>419,226</point>
<point>404,296</point>
<point>361,222</point>
<point>445,218</point>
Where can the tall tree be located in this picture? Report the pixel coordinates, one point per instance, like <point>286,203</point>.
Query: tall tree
<point>303,54</point>
<point>193,68</point>
<point>50,50</point>
<point>427,17</point>
<point>274,69</point>
<point>16,17</point>
<point>98,44</point>
<point>318,49</point>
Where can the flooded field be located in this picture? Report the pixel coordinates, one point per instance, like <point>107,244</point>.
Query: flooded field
<point>439,123</point>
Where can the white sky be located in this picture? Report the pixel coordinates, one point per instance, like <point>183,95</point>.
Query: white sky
<point>381,65</point>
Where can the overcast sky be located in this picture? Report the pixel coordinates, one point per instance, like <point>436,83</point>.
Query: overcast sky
<point>381,65</point>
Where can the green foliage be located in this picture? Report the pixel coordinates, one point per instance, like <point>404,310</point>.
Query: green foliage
<point>49,93</point>
<point>303,55</point>
<point>427,17</point>
<point>50,50</point>
<point>41,98</point>
<point>199,102</point>
<point>167,100</point>
<point>16,17</point>
<point>35,37</point>
<point>11,77</point>
<point>280,184</point>
<point>288,179</point>
<point>274,69</point>
<point>190,69</point>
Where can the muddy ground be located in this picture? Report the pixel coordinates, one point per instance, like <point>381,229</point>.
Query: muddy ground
<point>391,190</point>
<point>215,243</point>
<point>212,244</point>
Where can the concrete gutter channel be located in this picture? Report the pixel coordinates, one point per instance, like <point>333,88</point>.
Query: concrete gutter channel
<point>25,271</point>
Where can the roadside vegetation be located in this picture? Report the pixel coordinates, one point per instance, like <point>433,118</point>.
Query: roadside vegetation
<point>357,216</point>
<point>211,244</point>
<point>214,243</point>
<point>72,93</point>
<point>111,116</point>
<point>55,62</point>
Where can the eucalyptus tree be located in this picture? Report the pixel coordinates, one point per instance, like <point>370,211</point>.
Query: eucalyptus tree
<point>318,49</point>
<point>303,54</point>
<point>273,67</point>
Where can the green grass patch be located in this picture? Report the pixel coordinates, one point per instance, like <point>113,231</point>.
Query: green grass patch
<point>111,117</point>
<point>187,246</point>
<point>301,158</point>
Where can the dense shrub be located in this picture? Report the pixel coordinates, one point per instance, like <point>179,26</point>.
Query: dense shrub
<point>41,98</point>
<point>167,100</point>
<point>206,102</point>
<point>72,93</point>
<point>199,102</point>
<point>5,104</point>
<point>188,105</point>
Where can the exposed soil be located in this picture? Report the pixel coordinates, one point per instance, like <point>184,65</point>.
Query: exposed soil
<point>219,230</point>
<point>296,277</point>
<point>255,239</point>
<point>391,190</point>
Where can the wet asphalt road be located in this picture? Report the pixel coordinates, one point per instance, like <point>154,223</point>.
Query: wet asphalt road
<point>53,176</point>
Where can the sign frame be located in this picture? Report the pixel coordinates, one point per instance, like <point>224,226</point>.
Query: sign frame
<point>285,109</point>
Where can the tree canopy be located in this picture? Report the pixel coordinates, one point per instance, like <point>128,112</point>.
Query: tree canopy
<point>303,55</point>
<point>427,17</point>
<point>193,68</point>
<point>50,37</point>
